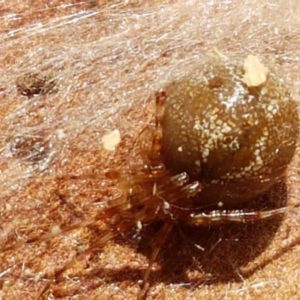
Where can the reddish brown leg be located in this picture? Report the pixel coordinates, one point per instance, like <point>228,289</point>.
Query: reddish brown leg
<point>154,156</point>
<point>242,216</point>
<point>121,227</point>
<point>156,249</point>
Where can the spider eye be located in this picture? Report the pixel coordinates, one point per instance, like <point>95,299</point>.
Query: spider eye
<point>235,130</point>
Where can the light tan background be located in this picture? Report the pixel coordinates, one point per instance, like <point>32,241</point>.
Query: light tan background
<point>108,58</point>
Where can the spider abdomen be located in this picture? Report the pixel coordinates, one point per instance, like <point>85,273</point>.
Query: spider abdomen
<point>234,134</point>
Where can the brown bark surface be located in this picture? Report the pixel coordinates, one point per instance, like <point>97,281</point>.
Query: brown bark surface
<point>74,71</point>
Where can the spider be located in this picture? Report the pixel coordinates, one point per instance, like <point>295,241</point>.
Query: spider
<point>215,146</point>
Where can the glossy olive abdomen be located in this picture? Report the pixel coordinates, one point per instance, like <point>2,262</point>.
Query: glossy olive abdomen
<point>237,139</point>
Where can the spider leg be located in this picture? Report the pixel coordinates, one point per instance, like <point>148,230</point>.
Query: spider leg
<point>120,228</point>
<point>242,216</point>
<point>161,238</point>
<point>154,156</point>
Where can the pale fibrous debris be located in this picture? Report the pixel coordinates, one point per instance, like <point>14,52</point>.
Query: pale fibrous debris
<point>219,54</point>
<point>60,133</point>
<point>111,140</point>
<point>255,72</point>
<point>55,230</point>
